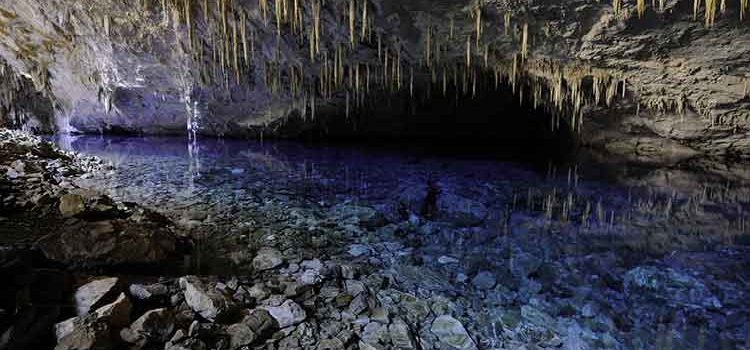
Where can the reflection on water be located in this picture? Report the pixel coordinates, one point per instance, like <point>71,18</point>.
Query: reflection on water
<point>640,257</point>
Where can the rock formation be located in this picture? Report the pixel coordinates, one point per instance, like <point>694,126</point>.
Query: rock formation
<point>634,78</point>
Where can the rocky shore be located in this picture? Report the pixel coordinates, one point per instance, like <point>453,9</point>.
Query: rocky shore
<point>88,271</point>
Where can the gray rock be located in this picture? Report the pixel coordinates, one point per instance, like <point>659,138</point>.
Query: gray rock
<point>260,322</point>
<point>71,205</point>
<point>258,291</point>
<point>205,301</point>
<point>267,258</point>
<point>672,286</point>
<point>452,333</point>
<point>139,292</point>
<point>444,260</point>
<point>94,294</point>
<point>459,210</point>
<point>155,326</point>
<point>188,344</point>
<point>117,313</point>
<point>400,335</point>
<point>240,335</point>
<point>358,304</point>
<point>287,314</point>
<point>357,250</point>
<point>86,332</point>
<point>92,331</point>
<point>484,280</point>
<point>523,264</point>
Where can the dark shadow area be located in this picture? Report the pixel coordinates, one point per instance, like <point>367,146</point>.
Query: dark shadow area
<point>492,124</point>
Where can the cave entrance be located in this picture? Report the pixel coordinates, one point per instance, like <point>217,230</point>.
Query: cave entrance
<point>494,123</point>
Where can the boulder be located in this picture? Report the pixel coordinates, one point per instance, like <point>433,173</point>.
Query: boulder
<point>71,205</point>
<point>93,330</point>
<point>205,301</point>
<point>240,335</point>
<point>459,210</point>
<point>484,280</point>
<point>155,326</point>
<point>287,314</point>
<point>674,287</point>
<point>140,239</point>
<point>400,335</point>
<point>267,258</point>
<point>95,294</point>
<point>452,333</point>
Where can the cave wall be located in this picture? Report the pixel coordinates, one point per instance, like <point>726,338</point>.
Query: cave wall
<point>21,105</point>
<point>153,66</point>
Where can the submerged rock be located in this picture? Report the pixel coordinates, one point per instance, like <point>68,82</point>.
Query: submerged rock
<point>452,333</point>
<point>287,314</point>
<point>267,258</point>
<point>672,286</point>
<point>484,280</point>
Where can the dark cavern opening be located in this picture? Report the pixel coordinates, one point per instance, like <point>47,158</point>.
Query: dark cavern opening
<point>374,174</point>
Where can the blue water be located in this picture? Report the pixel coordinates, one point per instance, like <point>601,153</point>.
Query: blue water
<point>553,232</point>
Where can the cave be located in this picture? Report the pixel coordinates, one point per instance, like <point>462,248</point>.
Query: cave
<point>374,174</point>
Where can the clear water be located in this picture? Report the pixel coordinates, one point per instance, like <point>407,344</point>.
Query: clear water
<point>556,236</point>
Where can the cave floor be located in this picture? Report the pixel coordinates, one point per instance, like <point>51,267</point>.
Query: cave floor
<point>366,248</point>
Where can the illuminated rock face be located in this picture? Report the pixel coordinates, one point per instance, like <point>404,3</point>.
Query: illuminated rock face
<point>225,68</point>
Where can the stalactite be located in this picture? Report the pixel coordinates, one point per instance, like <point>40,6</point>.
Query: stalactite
<point>263,5</point>
<point>243,31</point>
<point>279,14</point>
<point>525,42</point>
<point>468,52</point>
<point>352,19</point>
<point>107,25</point>
<point>506,22</point>
<point>316,24</point>
<point>744,6</point>
<point>205,11</point>
<point>617,6</point>
<point>364,21</point>
<point>451,34</point>
<point>428,47</point>
<point>189,23</point>
<point>641,8</point>
<point>478,14</point>
<point>710,13</point>
<point>723,6</point>
<point>696,7</point>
